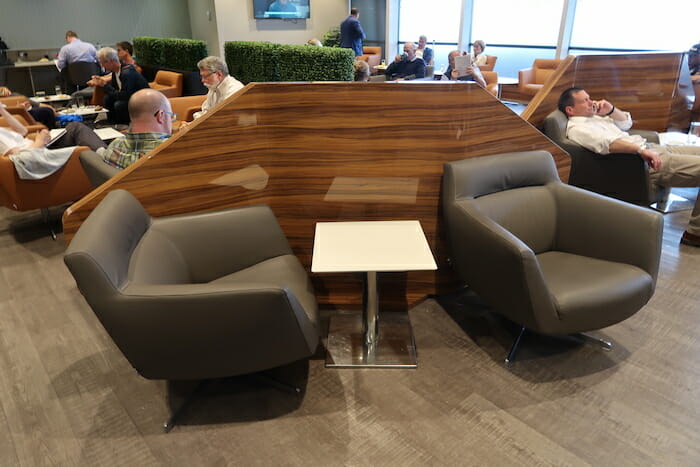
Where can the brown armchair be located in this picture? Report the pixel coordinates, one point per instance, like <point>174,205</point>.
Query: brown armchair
<point>531,80</point>
<point>13,104</point>
<point>371,55</point>
<point>168,82</point>
<point>490,63</point>
<point>491,78</point>
<point>67,184</point>
<point>186,106</point>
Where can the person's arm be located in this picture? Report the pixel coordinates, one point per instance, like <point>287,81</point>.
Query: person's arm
<point>622,119</point>
<point>651,157</point>
<point>62,59</point>
<point>478,77</point>
<point>12,121</point>
<point>418,69</point>
<point>359,31</point>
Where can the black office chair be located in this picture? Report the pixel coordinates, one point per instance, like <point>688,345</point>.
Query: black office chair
<point>79,73</point>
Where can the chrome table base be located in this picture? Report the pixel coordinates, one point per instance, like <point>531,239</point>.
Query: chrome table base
<point>393,348</point>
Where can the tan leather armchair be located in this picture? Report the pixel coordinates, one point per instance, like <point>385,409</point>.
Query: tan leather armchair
<point>168,82</point>
<point>371,55</point>
<point>531,80</point>
<point>186,106</point>
<point>67,184</point>
<point>490,63</point>
<point>13,104</point>
<point>491,78</point>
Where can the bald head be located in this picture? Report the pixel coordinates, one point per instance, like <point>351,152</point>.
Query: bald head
<point>145,108</point>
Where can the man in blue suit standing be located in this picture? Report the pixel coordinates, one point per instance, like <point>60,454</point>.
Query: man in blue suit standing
<point>351,33</point>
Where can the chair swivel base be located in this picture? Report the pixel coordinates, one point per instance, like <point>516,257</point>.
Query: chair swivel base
<point>585,337</point>
<point>395,347</point>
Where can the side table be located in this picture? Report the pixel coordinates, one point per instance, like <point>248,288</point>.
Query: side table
<point>371,247</point>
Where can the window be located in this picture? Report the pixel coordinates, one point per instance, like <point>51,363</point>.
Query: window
<point>636,24</point>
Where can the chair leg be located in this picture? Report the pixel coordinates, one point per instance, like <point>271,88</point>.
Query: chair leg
<point>277,384</point>
<point>514,347</point>
<point>177,413</point>
<point>46,215</point>
<point>601,343</point>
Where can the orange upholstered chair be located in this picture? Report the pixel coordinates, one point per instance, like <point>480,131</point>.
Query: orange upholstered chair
<point>69,183</point>
<point>168,82</point>
<point>531,80</point>
<point>491,78</point>
<point>371,55</point>
<point>21,114</point>
<point>490,63</point>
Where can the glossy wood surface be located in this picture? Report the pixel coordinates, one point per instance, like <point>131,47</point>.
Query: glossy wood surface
<point>647,85</point>
<point>330,152</point>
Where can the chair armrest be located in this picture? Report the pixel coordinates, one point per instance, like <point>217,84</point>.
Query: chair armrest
<point>650,136</point>
<point>589,224</point>
<point>216,243</point>
<point>526,76</point>
<point>96,169</point>
<point>209,323</point>
<point>189,115</point>
<point>490,259</point>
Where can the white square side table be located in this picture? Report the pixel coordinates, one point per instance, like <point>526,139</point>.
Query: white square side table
<point>371,247</point>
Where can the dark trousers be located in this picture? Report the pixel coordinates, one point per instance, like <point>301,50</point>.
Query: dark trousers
<point>77,134</point>
<point>44,115</point>
<point>118,110</point>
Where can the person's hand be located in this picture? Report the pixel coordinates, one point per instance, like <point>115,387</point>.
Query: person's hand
<point>5,91</point>
<point>652,158</point>
<point>398,58</point>
<point>603,107</point>
<point>42,138</point>
<point>26,105</point>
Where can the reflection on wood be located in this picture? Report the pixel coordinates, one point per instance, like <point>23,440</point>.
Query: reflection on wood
<point>646,85</point>
<point>373,190</point>
<point>295,146</point>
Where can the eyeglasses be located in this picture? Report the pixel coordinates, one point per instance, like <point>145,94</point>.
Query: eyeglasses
<point>207,76</point>
<point>173,116</point>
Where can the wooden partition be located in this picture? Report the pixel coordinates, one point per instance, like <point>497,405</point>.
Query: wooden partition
<point>330,152</point>
<point>647,85</point>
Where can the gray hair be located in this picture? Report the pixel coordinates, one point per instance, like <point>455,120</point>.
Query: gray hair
<point>213,64</point>
<point>106,54</point>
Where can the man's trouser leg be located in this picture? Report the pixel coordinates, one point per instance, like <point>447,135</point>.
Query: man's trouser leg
<point>681,168</point>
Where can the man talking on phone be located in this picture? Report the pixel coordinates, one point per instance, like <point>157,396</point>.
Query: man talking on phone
<point>601,127</point>
<point>406,66</point>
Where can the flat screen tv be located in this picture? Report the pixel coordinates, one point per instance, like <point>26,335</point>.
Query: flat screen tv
<point>281,9</point>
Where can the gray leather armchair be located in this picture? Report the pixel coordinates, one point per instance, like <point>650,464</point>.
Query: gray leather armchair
<point>621,176</point>
<point>195,296</point>
<point>553,258</point>
<point>96,169</point>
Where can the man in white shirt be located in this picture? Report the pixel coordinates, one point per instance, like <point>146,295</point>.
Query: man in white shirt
<point>214,74</point>
<point>601,127</point>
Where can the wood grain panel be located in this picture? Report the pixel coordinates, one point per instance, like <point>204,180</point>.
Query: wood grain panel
<point>300,147</point>
<point>645,84</point>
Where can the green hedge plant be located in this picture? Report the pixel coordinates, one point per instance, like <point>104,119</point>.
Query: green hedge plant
<point>260,61</point>
<point>177,54</point>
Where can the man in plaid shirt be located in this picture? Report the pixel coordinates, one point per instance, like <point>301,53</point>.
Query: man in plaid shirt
<point>151,124</point>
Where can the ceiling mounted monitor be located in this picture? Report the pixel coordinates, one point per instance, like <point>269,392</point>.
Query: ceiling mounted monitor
<point>281,9</point>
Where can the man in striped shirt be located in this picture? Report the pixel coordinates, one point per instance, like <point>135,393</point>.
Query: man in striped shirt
<point>151,124</point>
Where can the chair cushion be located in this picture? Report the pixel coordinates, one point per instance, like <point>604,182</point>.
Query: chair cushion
<point>587,289</point>
<point>282,271</point>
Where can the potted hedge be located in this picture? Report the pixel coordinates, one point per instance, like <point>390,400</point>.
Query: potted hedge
<point>179,55</point>
<point>262,61</point>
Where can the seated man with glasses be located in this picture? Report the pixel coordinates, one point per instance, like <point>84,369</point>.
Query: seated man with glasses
<point>215,77</point>
<point>151,124</point>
